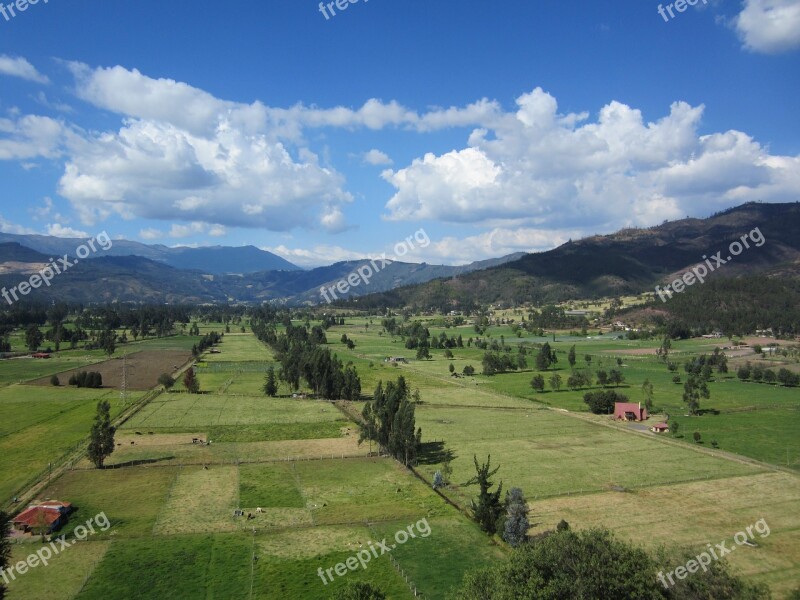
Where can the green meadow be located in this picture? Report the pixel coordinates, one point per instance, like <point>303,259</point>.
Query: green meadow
<point>171,502</point>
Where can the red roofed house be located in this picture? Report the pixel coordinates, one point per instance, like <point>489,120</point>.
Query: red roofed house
<point>629,411</point>
<point>660,428</point>
<point>48,516</point>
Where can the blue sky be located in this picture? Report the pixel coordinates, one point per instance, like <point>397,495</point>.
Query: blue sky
<point>495,127</point>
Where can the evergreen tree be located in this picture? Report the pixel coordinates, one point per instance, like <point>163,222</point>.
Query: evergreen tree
<point>270,383</point>
<point>571,357</point>
<point>33,338</point>
<point>488,508</point>
<point>190,381</point>
<point>515,531</point>
<point>101,440</point>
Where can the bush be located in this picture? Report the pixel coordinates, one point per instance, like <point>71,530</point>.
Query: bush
<point>54,380</point>
<point>166,380</point>
<point>602,403</point>
<point>92,379</point>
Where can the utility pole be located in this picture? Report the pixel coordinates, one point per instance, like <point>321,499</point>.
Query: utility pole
<point>123,392</point>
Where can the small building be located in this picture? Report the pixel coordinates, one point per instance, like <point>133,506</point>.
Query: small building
<point>48,516</point>
<point>40,355</point>
<point>629,411</point>
<point>396,359</point>
<point>660,428</point>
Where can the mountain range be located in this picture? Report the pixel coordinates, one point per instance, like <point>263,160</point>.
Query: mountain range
<point>629,261</point>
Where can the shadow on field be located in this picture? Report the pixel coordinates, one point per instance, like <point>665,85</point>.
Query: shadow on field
<point>137,463</point>
<point>431,453</point>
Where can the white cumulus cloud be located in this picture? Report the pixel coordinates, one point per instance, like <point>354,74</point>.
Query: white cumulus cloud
<point>20,67</point>
<point>537,167</point>
<point>769,26</point>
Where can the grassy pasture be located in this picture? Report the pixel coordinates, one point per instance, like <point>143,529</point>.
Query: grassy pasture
<point>200,500</point>
<point>297,578</point>
<point>40,425</point>
<point>18,370</point>
<point>196,566</point>
<point>194,411</point>
<point>173,533</point>
<point>273,486</point>
<point>769,435</point>
<point>549,454</point>
<point>131,498</point>
<point>694,514</point>
<point>70,569</point>
<point>177,449</point>
<point>438,562</point>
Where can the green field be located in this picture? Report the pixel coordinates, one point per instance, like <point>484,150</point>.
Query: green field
<point>40,425</point>
<point>172,502</point>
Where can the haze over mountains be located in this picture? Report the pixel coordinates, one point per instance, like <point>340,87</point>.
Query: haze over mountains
<point>629,261</point>
<point>209,259</point>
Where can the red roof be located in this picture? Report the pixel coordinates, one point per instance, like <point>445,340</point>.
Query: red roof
<point>661,426</point>
<point>627,407</point>
<point>36,516</point>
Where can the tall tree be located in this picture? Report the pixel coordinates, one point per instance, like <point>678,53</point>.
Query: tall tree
<point>647,390</point>
<point>694,389</point>
<point>488,508</point>
<point>107,341</point>
<point>190,381</point>
<point>555,382</point>
<point>101,441</point>
<point>270,383</point>
<point>546,357</point>
<point>515,530</point>
<point>390,420</point>
<point>571,358</point>
<point>33,338</point>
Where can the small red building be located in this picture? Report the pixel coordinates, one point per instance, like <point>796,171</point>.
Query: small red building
<point>48,516</point>
<point>40,355</point>
<point>660,428</point>
<point>629,411</point>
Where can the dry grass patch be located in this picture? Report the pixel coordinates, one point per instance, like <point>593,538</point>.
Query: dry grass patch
<point>278,518</point>
<point>313,541</point>
<point>201,500</point>
<point>694,514</point>
<point>147,440</point>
